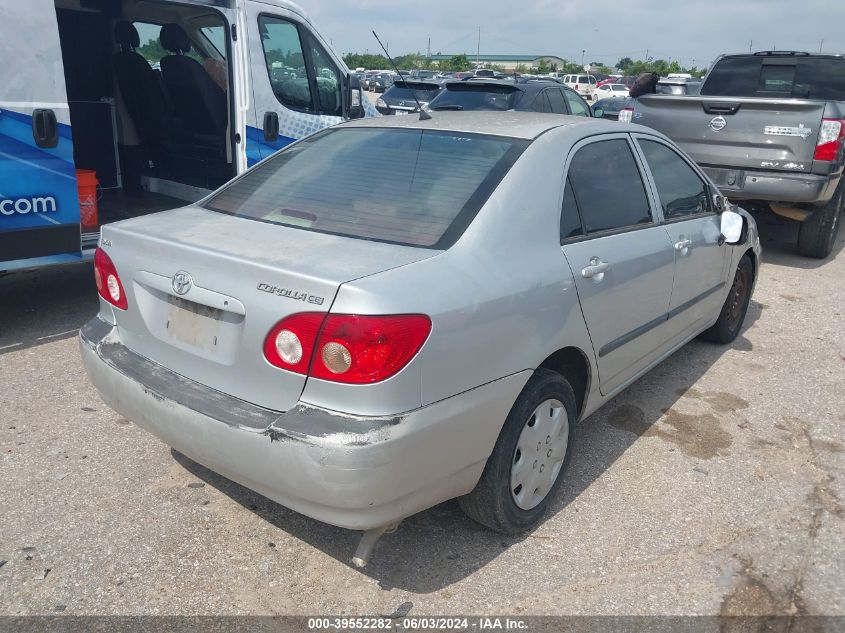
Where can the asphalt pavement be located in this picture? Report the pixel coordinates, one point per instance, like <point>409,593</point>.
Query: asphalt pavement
<point>713,485</point>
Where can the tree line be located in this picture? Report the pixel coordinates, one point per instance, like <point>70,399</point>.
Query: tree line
<point>626,65</point>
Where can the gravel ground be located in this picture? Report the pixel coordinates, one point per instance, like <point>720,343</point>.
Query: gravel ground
<point>711,486</point>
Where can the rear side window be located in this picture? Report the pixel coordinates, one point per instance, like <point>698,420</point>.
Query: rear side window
<point>797,77</point>
<point>429,184</point>
<point>557,102</point>
<point>681,191</point>
<point>570,219</point>
<point>603,207</point>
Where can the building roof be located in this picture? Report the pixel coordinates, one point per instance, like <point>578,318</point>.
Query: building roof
<point>498,58</point>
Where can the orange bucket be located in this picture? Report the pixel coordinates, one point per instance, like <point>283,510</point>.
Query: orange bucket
<point>86,184</point>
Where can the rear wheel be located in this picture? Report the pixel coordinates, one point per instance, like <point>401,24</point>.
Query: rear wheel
<point>735,307</point>
<point>818,232</point>
<point>525,470</point>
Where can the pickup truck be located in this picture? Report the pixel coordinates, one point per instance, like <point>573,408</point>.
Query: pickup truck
<point>769,130</point>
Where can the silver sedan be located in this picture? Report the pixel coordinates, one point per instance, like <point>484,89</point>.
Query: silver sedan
<point>395,312</point>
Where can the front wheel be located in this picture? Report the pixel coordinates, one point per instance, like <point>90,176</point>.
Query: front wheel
<point>525,470</point>
<point>727,328</point>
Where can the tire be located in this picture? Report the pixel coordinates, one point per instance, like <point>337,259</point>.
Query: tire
<point>817,234</point>
<point>727,328</point>
<point>493,502</point>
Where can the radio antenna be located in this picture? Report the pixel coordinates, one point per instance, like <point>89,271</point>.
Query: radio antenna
<point>424,116</point>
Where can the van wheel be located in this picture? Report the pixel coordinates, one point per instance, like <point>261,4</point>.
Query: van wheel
<point>525,469</point>
<point>733,311</point>
<point>817,234</point>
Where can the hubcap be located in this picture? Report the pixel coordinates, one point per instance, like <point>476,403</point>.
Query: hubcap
<point>737,298</point>
<point>539,454</point>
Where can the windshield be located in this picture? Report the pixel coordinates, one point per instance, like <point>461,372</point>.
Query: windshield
<point>405,186</point>
<point>476,97</point>
<point>407,90</point>
<point>758,76</point>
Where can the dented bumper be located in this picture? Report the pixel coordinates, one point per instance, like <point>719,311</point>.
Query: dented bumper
<point>351,471</point>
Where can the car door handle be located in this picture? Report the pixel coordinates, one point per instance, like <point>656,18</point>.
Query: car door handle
<point>683,245</point>
<point>595,270</point>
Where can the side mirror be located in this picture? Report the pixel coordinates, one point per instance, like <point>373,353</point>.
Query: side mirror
<point>732,224</point>
<point>719,202</point>
<point>355,98</point>
<point>598,113</point>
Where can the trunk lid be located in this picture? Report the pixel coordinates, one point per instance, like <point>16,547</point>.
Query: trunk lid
<point>739,132</point>
<point>205,288</point>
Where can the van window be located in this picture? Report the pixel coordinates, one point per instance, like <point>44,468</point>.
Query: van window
<point>285,62</point>
<point>216,36</point>
<point>430,184</point>
<point>151,48</point>
<point>328,81</point>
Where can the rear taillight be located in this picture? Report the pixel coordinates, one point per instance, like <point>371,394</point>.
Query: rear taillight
<point>830,139</point>
<point>626,115</point>
<point>108,281</point>
<point>346,348</point>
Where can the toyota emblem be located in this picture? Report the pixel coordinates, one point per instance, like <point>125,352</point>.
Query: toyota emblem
<point>182,283</point>
<point>717,123</point>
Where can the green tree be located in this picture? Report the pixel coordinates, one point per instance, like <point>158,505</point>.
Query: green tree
<point>153,51</point>
<point>459,63</point>
<point>543,67</point>
<point>624,63</point>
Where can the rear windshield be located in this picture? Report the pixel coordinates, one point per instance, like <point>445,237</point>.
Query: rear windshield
<point>407,90</point>
<point>820,78</point>
<point>412,187</point>
<point>476,97</point>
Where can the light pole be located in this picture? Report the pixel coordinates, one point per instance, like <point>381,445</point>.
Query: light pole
<point>582,57</point>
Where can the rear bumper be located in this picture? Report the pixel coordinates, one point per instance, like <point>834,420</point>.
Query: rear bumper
<point>739,184</point>
<point>351,471</point>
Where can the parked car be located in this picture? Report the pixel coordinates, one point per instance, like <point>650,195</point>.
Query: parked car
<point>678,86</point>
<point>610,107</point>
<point>368,78</point>
<point>299,357</point>
<point>537,96</point>
<point>402,96</point>
<point>584,85</point>
<point>382,82</point>
<point>769,129</point>
<point>611,79</point>
<point>463,74</point>
<point>610,90</point>
<point>422,74</point>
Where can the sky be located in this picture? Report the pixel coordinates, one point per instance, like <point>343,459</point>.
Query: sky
<point>692,32</point>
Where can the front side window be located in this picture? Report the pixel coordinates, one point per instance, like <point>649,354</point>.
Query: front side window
<point>682,193</point>
<point>430,184</point>
<point>328,82</point>
<point>608,187</point>
<point>576,104</point>
<point>285,63</point>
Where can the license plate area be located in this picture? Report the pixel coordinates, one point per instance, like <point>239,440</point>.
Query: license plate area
<point>194,324</point>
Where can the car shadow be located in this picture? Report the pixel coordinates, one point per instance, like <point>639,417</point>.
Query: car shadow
<point>440,546</point>
<point>46,305</point>
<point>779,238</point>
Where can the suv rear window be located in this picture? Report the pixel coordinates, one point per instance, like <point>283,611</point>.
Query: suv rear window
<point>404,186</point>
<point>408,89</point>
<point>470,96</point>
<point>758,76</point>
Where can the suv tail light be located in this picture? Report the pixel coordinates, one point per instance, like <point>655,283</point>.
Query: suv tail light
<point>108,281</point>
<point>830,139</point>
<point>346,348</point>
<point>626,115</point>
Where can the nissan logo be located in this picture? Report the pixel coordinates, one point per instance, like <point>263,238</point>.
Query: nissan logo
<point>717,123</point>
<point>182,283</point>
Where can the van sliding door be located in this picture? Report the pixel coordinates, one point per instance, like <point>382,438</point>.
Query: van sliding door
<point>39,203</point>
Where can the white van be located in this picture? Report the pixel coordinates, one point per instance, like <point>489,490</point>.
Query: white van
<point>584,85</point>
<point>160,101</point>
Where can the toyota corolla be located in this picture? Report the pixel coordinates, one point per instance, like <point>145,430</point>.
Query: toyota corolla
<point>359,349</point>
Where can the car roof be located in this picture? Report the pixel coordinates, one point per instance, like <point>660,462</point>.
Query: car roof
<point>524,125</point>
